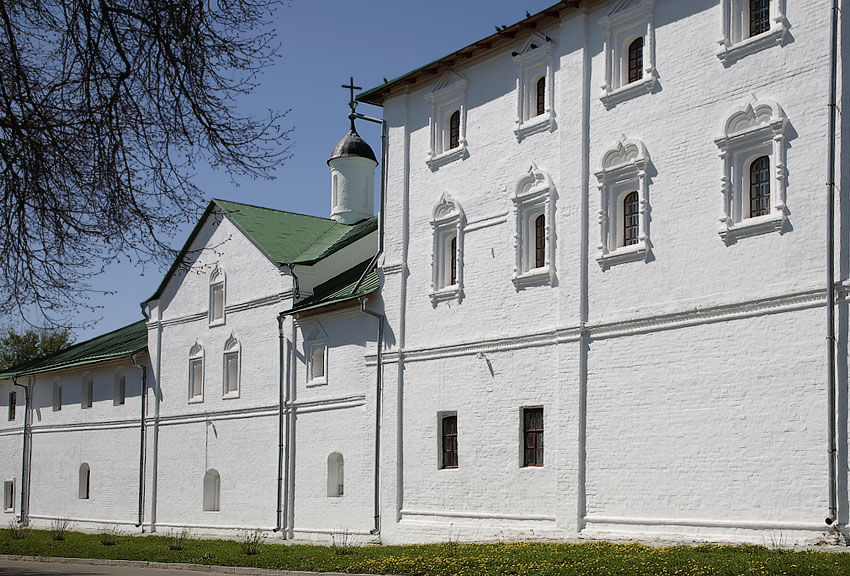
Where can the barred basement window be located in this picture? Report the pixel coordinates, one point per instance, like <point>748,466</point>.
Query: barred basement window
<point>760,187</point>
<point>212,491</point>
<point>532,433</point>
<point>448,433</point>
<point>13,405</point>
<point>635,60</point>
<point>759,17</point>
<point>84,492</point>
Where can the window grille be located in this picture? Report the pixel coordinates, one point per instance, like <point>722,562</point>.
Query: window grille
<point>636,60</point>
<point>532,437</point>
<point>760,187</point>
<point>540,241</point>
<point>631,219</point>
<point>454,129</point>
<point>541,96</point>
<point>453,260</point>
<point>759,17</point>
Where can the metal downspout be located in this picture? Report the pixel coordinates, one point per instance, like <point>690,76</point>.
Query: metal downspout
<point>378,401</point>
<point>142,443</point>
<point>830,264</point>
<point>25,455</point>
<point>280,426</point>
<point>382,200</point>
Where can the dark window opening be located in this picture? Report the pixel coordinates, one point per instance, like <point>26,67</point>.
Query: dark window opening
<point>454,129</point>
<point>540,241</point>
<point>449,434</point>
<point>631,219</point>
<point>453,260</point>
<point>532,429</point>
<point>759,17</point>
<point>13,405</point>
<point>541,96</point>
<point>760,187</point>
<point>636,60</point>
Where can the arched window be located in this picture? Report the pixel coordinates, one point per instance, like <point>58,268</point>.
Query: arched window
<point>541,95</point>
<point>760,187</point>
<point>231,368</point>
<point>196,373</point>
<point>212,490</point>
<point>631,219</point>
<point>85,482</point>
<point>454,129</point>
<point>636,60</point>
<point>759,17</point>
<point>336,477</point>
<point>540,241</point>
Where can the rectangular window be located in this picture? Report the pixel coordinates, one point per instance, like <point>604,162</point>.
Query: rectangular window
<point>217,302</point>
<point>317,363</point>
<point>120,395</point>
<point>532,432</point>
<point>9,495</point>
<point>13,405</point>
<point>231,372</point>
<point>448,432</point>
<point>88,392</point>
<point>759,17</point>
<point>196,378</point>
<point>57,396</point>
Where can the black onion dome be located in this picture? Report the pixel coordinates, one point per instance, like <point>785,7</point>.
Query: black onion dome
<point>352,145</point>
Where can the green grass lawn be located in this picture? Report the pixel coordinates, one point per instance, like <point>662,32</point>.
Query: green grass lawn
<point>521,558</point>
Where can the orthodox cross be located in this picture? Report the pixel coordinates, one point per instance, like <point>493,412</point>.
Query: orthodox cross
<point>351,103</point>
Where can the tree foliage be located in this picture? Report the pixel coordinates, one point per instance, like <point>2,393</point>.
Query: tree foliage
<point>107,107</point>
<point>17,348</point>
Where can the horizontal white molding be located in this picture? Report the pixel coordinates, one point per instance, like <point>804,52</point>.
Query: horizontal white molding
<point>693,316</point>
<point>339,531</point>
<point>83,426</point>
<point>213,526</point>
<point>274,299</point>
<point>99,521</point>
<point>703,523</point>
<point>16,431</point>
<point>478,515</point>
<point>486,222</point>
<point>392,268</point>
<point>256,412</point>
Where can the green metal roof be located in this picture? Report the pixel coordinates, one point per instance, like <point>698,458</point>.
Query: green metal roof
<point>119,343</point>
<point>339,289</point>
<point>284,237</point>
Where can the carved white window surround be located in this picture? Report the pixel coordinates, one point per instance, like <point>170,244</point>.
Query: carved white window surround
<point>196,373</point>
<point>231,382</point>
<point>218,298</point>
<point>448,223</point>
<point>624,170</point>
<point>533,62</point>
<point>316,353</point>
<point>448,96</point>
<point>535,195</point>
<point>758,129</point>
<point>628,20</point>
<point>735,42</point>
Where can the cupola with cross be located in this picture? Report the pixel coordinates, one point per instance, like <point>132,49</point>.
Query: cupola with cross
<point>352,164</point>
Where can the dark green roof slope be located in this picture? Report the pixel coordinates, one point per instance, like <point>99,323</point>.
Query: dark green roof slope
<point>119,343</point>
<point>339,289</point>
<point>284,237</point>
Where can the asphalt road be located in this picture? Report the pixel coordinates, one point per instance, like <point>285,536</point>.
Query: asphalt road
<point>24,568</point>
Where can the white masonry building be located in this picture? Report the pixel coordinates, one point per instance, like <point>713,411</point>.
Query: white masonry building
<point>604,225</point>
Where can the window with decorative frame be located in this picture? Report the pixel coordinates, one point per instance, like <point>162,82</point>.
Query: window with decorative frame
<point>448,120</point>
<point>316,353</point>
<point>534,63</point>
<point>448,440</point>
<point>448,222</point>
<point>623,182</point>
<point>196,373</point>
<point>217,297</point>
<point>749,26</point>
<point>231,368</point>
<point>532,437</point>
<point>629,51</point>
<point>534,210</point>
<point>753,152</point>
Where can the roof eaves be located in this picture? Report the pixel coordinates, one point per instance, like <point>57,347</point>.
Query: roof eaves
<point>356,232</point>
<point>379,94</point>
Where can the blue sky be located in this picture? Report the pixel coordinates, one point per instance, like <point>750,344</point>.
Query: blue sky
<point>324,43</point>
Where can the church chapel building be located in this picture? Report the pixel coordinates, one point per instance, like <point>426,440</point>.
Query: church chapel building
<point>603,226</point>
